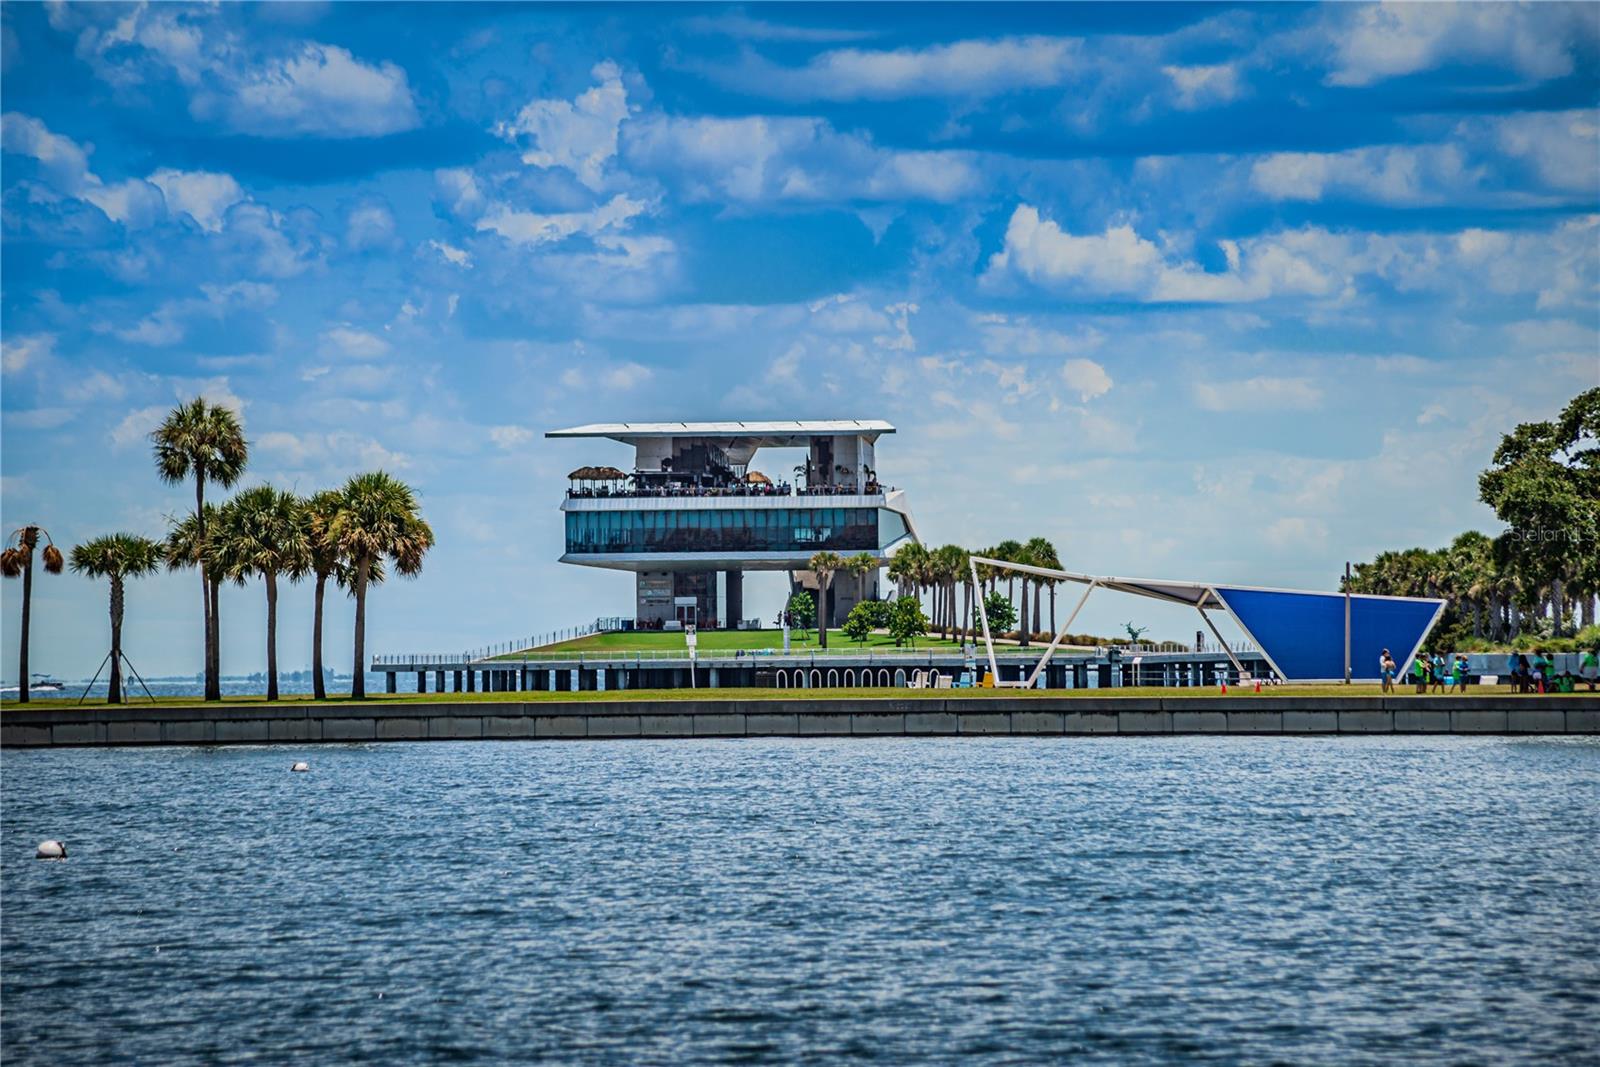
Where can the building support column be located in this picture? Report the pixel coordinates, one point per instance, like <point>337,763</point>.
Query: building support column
<point>388,681</point>
<point>735,600</point>
<point>457,680</point>
<point>472,680</point>
<point>438,681</point>
<point>422,681</point>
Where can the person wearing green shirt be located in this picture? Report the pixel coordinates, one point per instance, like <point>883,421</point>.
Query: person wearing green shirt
<point>1589,667</point>
<point>1419,673</point>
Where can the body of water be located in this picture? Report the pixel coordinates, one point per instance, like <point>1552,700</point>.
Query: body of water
<point>1216,900</point>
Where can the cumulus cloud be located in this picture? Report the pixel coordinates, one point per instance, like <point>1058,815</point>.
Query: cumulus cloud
<point>1258,394</point>
<point>340,451</point>
<point>19,352</point>
<point>307,89</point>
<point>972,68</point>
<point>1374,42</point>
<point>169,322</point>
<point>579,134</point>
<point>775,158</point>
<point>136,427</point>
<point>1421,174</point>
<point>1086,378</point>
<point>1204,86</point>
<point>204,196</point>
<point>510,437</point>
<point>458,257</point>
<point>370,225</point>
<point>347,340</point>
<point>1556,265</point>
<point>535,228</point>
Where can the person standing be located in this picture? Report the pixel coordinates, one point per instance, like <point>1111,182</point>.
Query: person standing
<point>1458,674</point>
<point>1386,668</point>
<point>1419,672</point>
<point>1437,673</point>
<point>1589,667</point>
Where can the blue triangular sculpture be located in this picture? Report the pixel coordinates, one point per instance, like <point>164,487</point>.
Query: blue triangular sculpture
<point>1303,633</point>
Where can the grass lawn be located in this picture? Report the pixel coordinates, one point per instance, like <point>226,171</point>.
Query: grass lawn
<point>725,641</point>
<point>1354,692</point>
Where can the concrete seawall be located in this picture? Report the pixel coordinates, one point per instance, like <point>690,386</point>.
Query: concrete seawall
<point>302,723</point>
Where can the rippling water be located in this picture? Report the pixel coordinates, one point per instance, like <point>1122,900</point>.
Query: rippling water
<point>1229,900</point>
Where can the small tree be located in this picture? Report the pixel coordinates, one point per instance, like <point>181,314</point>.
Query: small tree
<point>802,609</point>
<point>907,622</point>
<point>1135,632</point>
<point>824,565</point>
<point>997,607</point>
<point>17,561</point>
<point>859,624</point>
<point>117,557</point>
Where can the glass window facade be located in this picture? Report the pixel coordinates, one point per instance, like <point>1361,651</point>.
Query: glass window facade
<point>803,530</point>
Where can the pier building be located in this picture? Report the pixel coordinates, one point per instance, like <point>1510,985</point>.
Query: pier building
<point>694,511</point>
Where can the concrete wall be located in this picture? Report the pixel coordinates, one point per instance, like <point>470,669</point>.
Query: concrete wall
<point>301,723</point>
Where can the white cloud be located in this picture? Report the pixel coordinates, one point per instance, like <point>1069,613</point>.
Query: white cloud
<point>18,352</point>
<point>1373,42</point>
<point>626,376</point>
<point>204,196</point>
<point>169,323</point>
<point>973,68</point>
<point>1203,86</point>
<point>136,426</point>
<point>1261,394</point>
<point>1295,532</point>
<point>458,257</point>
<point>765,158</point>
<point>338,451</point>
<point>510,437</point>
<point>39,418</point>
<point>1086,378</point>
<point>347,340</point>
<point>370,225</point>
<point>1561,146</point>
<point>308,89</point>
<point>533,228</point>
<point>1421,174</point>
<point>580,134</point>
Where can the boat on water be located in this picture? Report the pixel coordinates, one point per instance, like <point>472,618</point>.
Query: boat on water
<point>41,683</point>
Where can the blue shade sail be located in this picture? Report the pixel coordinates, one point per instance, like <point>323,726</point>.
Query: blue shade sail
<point>1303,633</point>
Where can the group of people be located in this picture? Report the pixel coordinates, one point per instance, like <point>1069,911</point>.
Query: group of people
<point>1434,673</point>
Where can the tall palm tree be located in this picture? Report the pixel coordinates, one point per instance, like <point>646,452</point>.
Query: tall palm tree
<point>1043,554</point>
<point>118,557</point>
<point>316,515</point>
<point>861,564</point>
<point>184,547</point>
<point>952,568</point>
<point>17,561</point>
<point>204,441</point>
<point>903,568</point>
<point>377,519</point>
<point>824,565</point>
<point>260,532</point>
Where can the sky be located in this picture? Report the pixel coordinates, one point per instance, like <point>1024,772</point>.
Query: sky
<point>1233,293</point>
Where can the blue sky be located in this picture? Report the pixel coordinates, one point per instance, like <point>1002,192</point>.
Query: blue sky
<point>1195,291</point>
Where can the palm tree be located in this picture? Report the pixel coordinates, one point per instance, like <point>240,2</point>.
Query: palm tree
<point>1043,554</point>
<point>905,565</point>
<point>206,441</point>
<point>824,565</point>
<point>861,564</point>
<point>951,565</point>
<point>17,561</point>
<point>260,532</point>
<point>118,557</point>
<point>183,547</point>
<point>317,516</point>
<point>377,519</point>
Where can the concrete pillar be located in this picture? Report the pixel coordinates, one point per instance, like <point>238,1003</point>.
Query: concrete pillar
<point>472,680</point>
<point>457,680</point>
<point>600,679</point>
<point>422,681</point>
<point>552,686</point>
<point>735,600</point>
<point>622,677</point>
<point>714,682</point>
<point>388,681</point>
<point>577,680</point>
<point>438,681</point>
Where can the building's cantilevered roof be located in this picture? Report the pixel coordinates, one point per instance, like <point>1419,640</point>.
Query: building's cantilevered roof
<point>771,434</point>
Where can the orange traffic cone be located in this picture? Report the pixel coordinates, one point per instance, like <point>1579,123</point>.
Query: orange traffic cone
<point>1258,685</point>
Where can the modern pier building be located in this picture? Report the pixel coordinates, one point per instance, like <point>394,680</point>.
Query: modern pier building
<point>694,512</point>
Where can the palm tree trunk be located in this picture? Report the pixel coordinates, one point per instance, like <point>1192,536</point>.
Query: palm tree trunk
<point>822,608</point>
<point>318,688</point>
<point>208,603</point>
<point>1022,617</point>
<point>114,687</point>
<point>272,636</point>
<point>1052,609</point>
<point>358,680</point>
<point>216,639</point>
<point>1038,597</point>
<point>966,610</point>
<point>27,619</point>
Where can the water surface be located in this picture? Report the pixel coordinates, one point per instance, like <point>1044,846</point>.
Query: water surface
<point>1119,900</point>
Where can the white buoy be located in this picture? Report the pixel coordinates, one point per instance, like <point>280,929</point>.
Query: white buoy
<point>301,766</point>
<point>51,850</point>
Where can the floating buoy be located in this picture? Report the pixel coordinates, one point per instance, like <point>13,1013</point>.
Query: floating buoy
<point>301,766</point>
<point>51,850</point>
